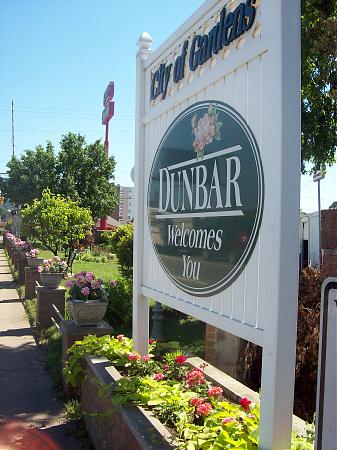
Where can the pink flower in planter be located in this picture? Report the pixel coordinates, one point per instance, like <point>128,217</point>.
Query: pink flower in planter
<point>181,359</point>
<point>195,377</point>
<point>95,284</point>
<point>120,337</point>
<point>113,283</point>
<point>158,376</point>
<point>89,276</point>
<point>214,391</point>
<point>245,402</point>
<point>151,341</point>
<point>85,291</point>
<point>39,269</point>
<point>133,356</point>
<point>228,420</point>
<point>70,284</point>
<point>203,409</point>
<point>196,401</point>
<point>57,258</point>
<point>146,358</point>
<point>166,367</point>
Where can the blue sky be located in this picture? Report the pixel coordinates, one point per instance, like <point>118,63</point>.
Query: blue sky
<point>56,58</point>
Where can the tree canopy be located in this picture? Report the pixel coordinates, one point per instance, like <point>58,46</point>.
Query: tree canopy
<point>319,83</point>
<point>79,171</point>
<point>56,221</point>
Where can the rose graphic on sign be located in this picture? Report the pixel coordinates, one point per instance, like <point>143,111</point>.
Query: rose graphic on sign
<point>205,129</point>
<point>205,210</point>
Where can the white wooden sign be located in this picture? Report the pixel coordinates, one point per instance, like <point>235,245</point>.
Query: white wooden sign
<point>248,82</point>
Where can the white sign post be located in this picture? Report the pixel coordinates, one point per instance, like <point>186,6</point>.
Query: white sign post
<point>240,61</point>
<point>326,404</point>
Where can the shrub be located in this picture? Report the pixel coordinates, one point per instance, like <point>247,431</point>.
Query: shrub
<point>121,243</point>
<point>249,364</point>
<point>119,311</point>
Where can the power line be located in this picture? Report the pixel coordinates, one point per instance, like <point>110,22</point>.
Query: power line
<point>13,147</point>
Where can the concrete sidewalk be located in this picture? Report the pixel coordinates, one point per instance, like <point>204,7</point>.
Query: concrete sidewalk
<point>31,416</point>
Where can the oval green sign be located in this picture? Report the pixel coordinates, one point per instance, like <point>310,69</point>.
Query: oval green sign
<point>205,198</point>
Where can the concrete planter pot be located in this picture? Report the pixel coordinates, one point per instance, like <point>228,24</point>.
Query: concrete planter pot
<point>51,280</point>
<point>34,263</point>
<point>89,312</point>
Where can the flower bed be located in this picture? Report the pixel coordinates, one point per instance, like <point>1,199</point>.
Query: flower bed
<point>194,405</point>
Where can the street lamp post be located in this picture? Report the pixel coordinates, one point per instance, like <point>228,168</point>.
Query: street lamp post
<point>107,114</point>
<point>317,177</point>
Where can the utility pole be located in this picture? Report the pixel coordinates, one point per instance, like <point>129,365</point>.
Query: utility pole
<point>13,146</point>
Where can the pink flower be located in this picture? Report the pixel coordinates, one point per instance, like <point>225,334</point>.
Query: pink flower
<point>151,341</point>
<point>120,337</point>
<point>85,291</point>
<point>133,356</point>
<point>203,409</point>
<point>195,377</point>
<point>196,401</point>
<point>203,365</point>
<point>69,284</point>
<point>113,283</point>
<point>181,359</point>
<point>245,402</point>
<point>166,367</point>
<point>95,285</point>
<point>89,277</point>
<point>158,376</point>
<point>39,269</point>
<point>57,258</point>
<point>228,420</point>
<point>214,391</point>
<point>146,358</point>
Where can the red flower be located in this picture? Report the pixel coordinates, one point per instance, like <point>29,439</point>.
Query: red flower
<point>181,359</point>
<point>133,356</point>
<point>196,401</point>
<point>158,376</point>
<point>214,391</point>
<point>203,409</point>
<point>245,402</point>
<point>195,377</point>
<point>151,341</point>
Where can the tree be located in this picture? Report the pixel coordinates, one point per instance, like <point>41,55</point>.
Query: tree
<point>319,83</point>
<point>79,171</point>
<point>87,175</point>
<point>57,222</point>
<point>30,174</point>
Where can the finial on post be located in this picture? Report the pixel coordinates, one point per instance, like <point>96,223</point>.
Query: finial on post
<point>144,42</point>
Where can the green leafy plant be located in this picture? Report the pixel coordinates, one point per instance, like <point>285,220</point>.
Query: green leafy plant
<point>57,222</point>
<point>180,396</point>
<point>119,293</point>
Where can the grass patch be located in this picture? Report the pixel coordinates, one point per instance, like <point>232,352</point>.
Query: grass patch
<point>73,411</point>
<point>51,340</point>
<point>107,270</point>
<point>30,308</point>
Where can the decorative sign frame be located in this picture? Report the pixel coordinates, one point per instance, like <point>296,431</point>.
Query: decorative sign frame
<point>231,76</point>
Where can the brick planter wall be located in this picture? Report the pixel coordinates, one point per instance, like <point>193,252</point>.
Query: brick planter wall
<point>329,242</point>
<point>133,428</point>
<point>46,298</point>
<point>31,277</point>
<point>112,428</point>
